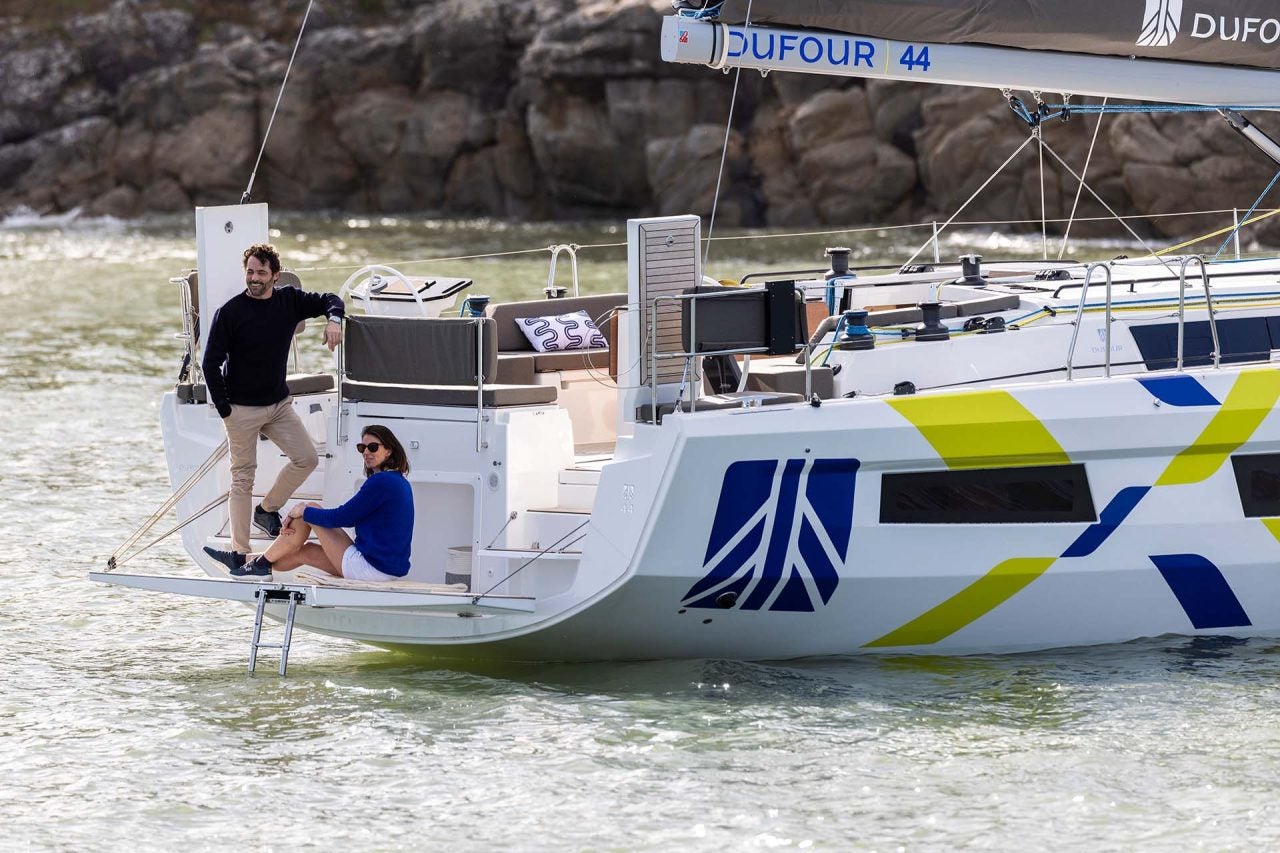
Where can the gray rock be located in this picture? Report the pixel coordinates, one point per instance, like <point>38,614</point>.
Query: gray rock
<point>683,171</point>
<point>128,39</point>
<point>584,162</point>
<point>122,202</point>
<point>32,81</point>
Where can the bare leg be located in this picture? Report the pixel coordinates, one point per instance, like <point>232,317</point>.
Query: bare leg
<point>309,554</point>
<point>291,548</point>
<point>335,542</point>
<point>293,537</point>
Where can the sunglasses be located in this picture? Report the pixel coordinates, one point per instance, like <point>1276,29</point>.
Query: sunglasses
<point>372,447</point>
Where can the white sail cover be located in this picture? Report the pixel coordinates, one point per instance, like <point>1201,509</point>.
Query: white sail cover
<point>1221,32</point>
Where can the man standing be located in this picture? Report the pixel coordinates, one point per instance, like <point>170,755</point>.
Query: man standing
<point>245,363</point>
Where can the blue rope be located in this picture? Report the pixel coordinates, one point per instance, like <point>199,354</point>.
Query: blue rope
<point>698,14</point>
<point>1093,109</point>
<point>1047,112</point>
<point>1245,219</point>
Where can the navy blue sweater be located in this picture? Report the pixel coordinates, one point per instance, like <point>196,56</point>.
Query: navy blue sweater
<point>251,338</point>
<point>382,514</point>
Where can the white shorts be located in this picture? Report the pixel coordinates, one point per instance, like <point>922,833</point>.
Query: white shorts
<point>357,568</point>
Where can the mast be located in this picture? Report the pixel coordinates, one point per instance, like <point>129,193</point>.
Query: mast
<point>766,49</point>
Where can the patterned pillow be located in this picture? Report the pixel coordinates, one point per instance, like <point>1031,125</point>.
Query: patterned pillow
<point>562,332</point>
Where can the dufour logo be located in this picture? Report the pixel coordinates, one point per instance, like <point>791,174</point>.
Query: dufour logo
<point>1160,23</point>
<point>780,535</point>
<point>1163,19</point>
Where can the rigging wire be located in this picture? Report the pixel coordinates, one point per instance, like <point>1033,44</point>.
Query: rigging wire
<point>1080,187</point>
<point>1108,208</point>
<point>1044,209</point>
<point>244,199</point>
<point>1236,229</point>
<point>724,151</point>
<point>969,200</point>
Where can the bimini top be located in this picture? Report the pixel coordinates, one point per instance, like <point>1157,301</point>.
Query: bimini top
<point>1221,32</point>
<point>1217,53</point>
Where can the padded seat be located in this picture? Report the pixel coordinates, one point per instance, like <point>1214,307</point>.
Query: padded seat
<point>784,376</point>
<point>515,368</point>
<point>495,396</point>
<point>720,402</point>
<point>299,384</point>
<point>579,359</point>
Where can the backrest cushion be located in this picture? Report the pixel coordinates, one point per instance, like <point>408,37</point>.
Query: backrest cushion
<point>417,350</point>
<point>505,314</point>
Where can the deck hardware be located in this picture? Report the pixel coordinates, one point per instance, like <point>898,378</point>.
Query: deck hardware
<point>971,269</point>
<point>932,328</point>
<point>263,595</point>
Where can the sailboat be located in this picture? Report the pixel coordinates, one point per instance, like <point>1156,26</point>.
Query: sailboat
<point>941,458</point>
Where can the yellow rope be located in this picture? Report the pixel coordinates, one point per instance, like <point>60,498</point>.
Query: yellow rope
<point>1217,233</point>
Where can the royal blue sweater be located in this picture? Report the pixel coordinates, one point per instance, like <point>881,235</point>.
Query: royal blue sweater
<point>382,514</point>
<point>251,338</point>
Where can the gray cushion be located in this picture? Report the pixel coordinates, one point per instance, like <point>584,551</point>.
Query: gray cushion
<point>448,395</point>
<point>515,368</point>
<point>416,350</point>
<point>299,384</point>
<point>596,359</point>
<point>784,376</point>
<point>720,402</point>
<point>511,339</point>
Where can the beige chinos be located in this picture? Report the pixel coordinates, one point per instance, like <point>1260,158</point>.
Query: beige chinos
<point>284,428</point>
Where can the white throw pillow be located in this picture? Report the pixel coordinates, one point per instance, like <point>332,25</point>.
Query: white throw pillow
<point>562,332</point>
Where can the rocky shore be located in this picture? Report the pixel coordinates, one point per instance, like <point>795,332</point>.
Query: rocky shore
<point>528,110</point>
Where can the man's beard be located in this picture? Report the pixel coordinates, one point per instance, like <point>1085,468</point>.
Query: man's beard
<point>257,288</point>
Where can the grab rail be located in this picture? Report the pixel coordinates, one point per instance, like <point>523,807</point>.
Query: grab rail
<point>1208,302</point>
<point>572,250</point>
<point>1075,332</point>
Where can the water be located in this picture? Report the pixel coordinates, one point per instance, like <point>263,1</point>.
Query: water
<point>127,720</point>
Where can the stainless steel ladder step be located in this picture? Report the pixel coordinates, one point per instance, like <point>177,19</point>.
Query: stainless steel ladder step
<point>264,595</point>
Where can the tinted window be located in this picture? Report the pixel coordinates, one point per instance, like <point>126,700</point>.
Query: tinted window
<point>1242,339</point>
<point>988,496</point>
<point>1258,479</point>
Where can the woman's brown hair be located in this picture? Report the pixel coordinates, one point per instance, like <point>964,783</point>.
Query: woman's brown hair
<point>398,460</point>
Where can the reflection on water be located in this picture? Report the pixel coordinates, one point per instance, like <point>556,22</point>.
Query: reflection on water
<point>127,718</point>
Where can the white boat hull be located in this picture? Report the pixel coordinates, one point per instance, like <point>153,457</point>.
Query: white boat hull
<point>757,533</point>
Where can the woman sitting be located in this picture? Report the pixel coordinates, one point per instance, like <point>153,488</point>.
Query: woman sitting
<point>381,513</point>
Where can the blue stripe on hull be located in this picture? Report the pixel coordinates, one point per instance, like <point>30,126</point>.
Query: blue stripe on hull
<point>1202,591</point>
<point>1108,520</point>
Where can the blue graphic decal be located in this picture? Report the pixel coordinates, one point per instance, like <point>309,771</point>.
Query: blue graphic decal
<point>1201,590</point>
<point>1108,520</point>
<point>1180,391</point>
<point>781,532</point>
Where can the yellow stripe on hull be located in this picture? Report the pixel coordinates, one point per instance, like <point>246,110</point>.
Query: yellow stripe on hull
<point>1250,400</point>
<point>982,429</point>
<point>970,604</point>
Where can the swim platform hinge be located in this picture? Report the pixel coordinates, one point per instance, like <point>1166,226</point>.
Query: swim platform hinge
<point>263,596</point>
